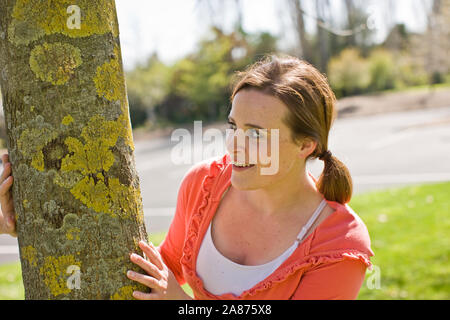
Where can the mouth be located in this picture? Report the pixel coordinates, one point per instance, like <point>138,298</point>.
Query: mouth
<point>242,166</point>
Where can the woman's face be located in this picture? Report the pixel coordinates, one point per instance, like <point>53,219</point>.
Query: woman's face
<point>274,155</point>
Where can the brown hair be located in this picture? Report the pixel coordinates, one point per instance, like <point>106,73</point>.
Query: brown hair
<point>311,103</point>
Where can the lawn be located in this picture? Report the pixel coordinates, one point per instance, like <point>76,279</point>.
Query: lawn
<point>409,228</point>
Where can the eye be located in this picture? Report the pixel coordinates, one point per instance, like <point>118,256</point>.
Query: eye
<point>253,133</point>
<point>232,126</point>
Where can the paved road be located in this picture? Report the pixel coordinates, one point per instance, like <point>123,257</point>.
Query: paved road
<point>381,151</point>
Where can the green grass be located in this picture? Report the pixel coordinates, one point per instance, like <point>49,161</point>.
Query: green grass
<point>409,228</point>
<point>11,286</point>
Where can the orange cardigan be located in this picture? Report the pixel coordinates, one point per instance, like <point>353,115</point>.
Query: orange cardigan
<point>329,264</point>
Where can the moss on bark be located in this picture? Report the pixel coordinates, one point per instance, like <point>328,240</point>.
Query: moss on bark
<point>76,190</point>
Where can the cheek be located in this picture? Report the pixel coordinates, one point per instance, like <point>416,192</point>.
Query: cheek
<point>275,150</point>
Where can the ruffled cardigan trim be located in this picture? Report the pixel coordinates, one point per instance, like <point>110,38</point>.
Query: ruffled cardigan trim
<point>289,267</point>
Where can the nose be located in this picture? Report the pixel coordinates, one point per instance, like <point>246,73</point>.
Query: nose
<point>237,145</point>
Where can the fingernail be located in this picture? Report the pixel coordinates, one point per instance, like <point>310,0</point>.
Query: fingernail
<point>130,273</point>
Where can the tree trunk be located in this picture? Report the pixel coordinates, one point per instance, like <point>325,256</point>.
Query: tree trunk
<point>322,36</point>
<point>305,50</point>
<point>350,8</point>
<point>76,191</point>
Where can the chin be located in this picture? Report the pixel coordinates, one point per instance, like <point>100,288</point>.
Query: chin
<point>242,184</point>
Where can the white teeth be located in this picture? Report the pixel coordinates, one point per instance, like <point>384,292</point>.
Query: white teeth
<point>241,164</point>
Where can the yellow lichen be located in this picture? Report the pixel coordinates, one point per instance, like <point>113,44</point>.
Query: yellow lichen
<point>37,161</point>
<point>73,233</point>
<point>126,132</point>
<point>93,195</point>
<point>32,141</point>
<point>55,62</point>
<point>93,159</point>
<point>94,155</point>
<point>67,120</point>
<point>109,79</point>
<point>55,274</point>
<point>51,16</point>
<point>124,293</point>
<point>28,253</point>
<point>26,203</point>
<point>110,84</point>
<point>126,198</point>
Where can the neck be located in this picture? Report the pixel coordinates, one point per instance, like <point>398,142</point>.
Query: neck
<point>282,197</point>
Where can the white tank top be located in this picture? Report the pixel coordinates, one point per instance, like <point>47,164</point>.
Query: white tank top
<point>221,275</point>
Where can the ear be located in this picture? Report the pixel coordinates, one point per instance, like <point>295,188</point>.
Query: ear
<point>306,147</point>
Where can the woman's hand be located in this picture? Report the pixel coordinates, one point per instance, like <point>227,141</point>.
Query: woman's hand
<point>159,278</point>
<point>7,213</point>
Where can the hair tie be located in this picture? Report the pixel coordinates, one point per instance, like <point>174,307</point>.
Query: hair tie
<point>326,155</point>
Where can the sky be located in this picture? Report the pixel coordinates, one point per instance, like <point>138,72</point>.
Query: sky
<point>172,28</point>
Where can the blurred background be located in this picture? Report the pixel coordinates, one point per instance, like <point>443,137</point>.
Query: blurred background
<point>388,63</point>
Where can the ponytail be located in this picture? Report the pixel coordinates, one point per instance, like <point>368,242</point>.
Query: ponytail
<point>335,182</point>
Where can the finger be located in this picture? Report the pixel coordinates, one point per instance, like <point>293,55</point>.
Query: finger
<point>152,254</point>
<point>6,202</point>
<point>6,171</point>
<point>5,186</point>
<point>5,158</point>
<point>146,265</point>
<point>145,296</point>
<point>11,226</point>
<point>144,279</point>
<point>8,225</point>
<point>9,217</point>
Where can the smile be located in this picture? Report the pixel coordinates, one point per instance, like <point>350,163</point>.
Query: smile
<point>241,166</point>
<point>237,164</point>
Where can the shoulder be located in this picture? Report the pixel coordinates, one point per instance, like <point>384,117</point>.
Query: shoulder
<point>342,231</point>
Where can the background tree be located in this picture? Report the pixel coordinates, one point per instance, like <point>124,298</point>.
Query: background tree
<point>147,86</point>
<point>76,191</point>
<point>299,22</point>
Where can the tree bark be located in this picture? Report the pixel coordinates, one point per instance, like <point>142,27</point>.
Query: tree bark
<point>322,35</point>
<point>350,8</point>
<point>304,46</point>
<point>76,191</point>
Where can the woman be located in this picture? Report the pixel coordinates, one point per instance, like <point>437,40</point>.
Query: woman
<point>241,234</point>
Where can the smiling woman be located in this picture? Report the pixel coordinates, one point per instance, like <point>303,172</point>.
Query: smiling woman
<point>241,234</point>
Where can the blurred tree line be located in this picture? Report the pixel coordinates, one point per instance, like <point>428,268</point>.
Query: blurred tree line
<point>339,42</point>
<point>198,85</point>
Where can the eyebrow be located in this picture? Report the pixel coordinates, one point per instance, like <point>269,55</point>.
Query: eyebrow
<point>230,119</point>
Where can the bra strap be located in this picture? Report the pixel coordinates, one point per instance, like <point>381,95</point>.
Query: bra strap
<point>311,221</point>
